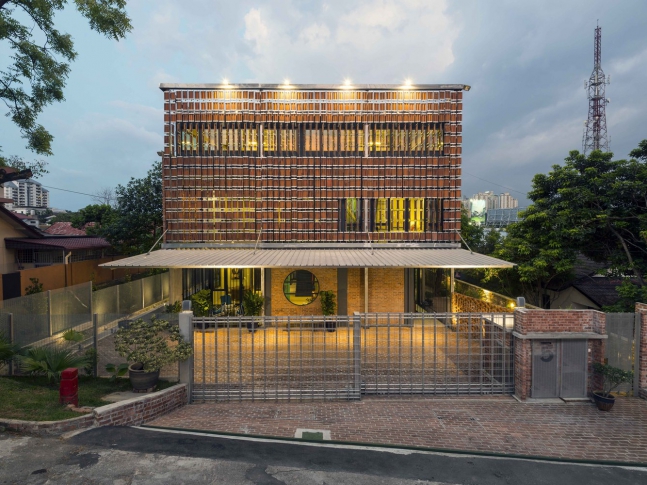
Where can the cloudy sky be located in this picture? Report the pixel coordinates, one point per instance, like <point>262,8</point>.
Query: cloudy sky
<point>526,63</point>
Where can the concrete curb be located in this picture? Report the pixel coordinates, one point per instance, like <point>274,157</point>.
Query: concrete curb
<point>131,412</point>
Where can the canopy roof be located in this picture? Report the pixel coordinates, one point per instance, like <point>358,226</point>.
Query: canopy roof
<point>310,258</point>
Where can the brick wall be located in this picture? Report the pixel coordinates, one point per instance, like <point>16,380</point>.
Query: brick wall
<point>131,412</point>
<point>327,278</point>
<point>385,290</point>
<point>642,364</point>
<point>555,321</point>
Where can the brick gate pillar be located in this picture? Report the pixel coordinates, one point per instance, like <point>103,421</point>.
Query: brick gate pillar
<point>641,309</point>
<point>530,325</point>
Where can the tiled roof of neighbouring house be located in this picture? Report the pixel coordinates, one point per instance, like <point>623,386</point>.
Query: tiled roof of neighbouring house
<point>64,229</point>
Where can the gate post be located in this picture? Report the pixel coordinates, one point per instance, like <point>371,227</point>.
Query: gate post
<point>357,355</point>
<point>186,330</point>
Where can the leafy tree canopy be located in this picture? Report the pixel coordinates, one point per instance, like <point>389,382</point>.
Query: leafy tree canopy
<point>34,74</point>
<point>593,206</point>
<point>100,214</point>
<point>138,218</point>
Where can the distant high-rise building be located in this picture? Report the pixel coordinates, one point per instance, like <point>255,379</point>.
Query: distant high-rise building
<point>27,194</point>
<point>506,201</point>
<point>493,201</point>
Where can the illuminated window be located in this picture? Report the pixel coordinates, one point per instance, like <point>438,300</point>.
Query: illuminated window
<point>397,215</point>
<point>329,140</point>
<point>210,140</point>
<point>269,140</point>
<point>313,140</point>
<point>435,140</point>
<point>416,215</point>
<point>189,140</point>
<point>353,214</point>
<point>381,215</point>
<point>289,141</point>
<point>380,140</point>
<point>301,287</point>
<point>417,140</point>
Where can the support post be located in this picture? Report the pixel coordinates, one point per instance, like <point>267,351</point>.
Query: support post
<point>12,339</point>
<point>95,343</point>
<point>365,290</point>
<point>49,312</point>
<point>143,297</point>
<point>186,330</point>
<point>357,356</point>
<point>118,299</point>
<point>451,290</point>
<point>637,345</point>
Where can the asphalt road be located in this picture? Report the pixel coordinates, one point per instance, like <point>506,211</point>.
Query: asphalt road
<point>120,456</point>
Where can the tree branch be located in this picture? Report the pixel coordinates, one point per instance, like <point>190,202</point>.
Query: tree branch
<point>628,254</point>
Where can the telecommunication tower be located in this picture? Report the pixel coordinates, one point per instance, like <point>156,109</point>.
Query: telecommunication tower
<point>595,128</point>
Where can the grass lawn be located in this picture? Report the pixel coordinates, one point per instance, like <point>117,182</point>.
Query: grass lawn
<point>34,399</point>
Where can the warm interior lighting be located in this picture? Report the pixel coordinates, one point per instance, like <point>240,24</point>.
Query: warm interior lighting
<point>286,84</point>
<point>225,82</point>
<point>407,83</point>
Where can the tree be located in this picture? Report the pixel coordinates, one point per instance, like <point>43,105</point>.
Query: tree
<point>100,214</point>
<point>138,218</point>
<point>593,206</point>
<point>106,196</point>
<point>38,65</point>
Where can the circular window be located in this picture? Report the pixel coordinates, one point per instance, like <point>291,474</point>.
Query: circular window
<point>301,287</point>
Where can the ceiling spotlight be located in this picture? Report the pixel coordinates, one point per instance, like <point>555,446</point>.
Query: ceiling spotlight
<point>225,81</point>
<point>407,83</point>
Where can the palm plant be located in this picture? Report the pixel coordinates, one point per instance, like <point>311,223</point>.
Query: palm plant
<point>8,350</point>
<point>50,362</point>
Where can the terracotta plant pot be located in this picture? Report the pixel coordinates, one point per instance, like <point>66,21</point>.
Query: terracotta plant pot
<point>140,379</point>
<point>603,403</point>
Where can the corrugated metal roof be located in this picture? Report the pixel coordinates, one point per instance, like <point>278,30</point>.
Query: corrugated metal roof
<point>310,258</point>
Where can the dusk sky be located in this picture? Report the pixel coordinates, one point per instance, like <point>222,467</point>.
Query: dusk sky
<point>526,63</point>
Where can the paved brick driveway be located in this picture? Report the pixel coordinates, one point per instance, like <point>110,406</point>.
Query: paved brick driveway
<point>496,424</point>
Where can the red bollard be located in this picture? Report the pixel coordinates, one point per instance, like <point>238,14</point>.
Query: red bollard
<point>69,390</point>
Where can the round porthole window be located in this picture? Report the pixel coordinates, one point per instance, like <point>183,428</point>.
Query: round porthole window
<point>301,287</point>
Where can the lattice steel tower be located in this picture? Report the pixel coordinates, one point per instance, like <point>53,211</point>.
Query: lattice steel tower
<point>595,128</point>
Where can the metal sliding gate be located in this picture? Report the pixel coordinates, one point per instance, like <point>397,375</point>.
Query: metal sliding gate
<point>305,358</point>
<point>623,346</point>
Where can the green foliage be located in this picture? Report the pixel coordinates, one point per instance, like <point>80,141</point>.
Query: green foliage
<point>35,287</point>
<point>629,293</point>
<point>64,217</point>
<point>73,336</point>
<point>173,307</point>
<point>100,214</point>
<point>38,167</point>
<point>202,303</point>
<point>612,377</point>
<point>138,220</point>
<point>253,303</point>
<point>8,351</point>
<point>92,357</point>
<point>116,370</point>
<point>34,71</point>
<point>153,344</point>
<point>328,303</point>
<point>50,362</point>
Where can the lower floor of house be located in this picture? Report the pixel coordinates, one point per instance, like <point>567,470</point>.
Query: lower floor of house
<point>297,291</point>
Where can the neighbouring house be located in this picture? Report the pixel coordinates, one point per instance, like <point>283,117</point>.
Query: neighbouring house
<point>287,190</point>
<point>57,260</point>
<point>64,229</point>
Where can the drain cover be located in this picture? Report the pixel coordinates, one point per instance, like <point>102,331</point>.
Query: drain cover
<point>313,434</point>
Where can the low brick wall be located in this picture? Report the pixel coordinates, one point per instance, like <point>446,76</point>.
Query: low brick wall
<point>131,412</point>
<point>552,322</point>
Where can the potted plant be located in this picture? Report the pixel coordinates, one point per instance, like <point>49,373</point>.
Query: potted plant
<point>149,346</point>
<point>252,306</point>
<point>612,377</point>
<point>328,307</point>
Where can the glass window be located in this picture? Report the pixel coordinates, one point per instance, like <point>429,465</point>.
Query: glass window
<point>397,214</point>
<point>399,140</point>
<point>269,140</point>
<point>313,140</point>
<point>189,139</point>
<point>329,140</point>
<point>435,140</point>
<point>416,215</point>
<point>417,140</point>
<point>289,140</point>
<point>210,141</point>
<point>353,214</point>
<point>381,215</point>
<point>380,140</point>
<point>301,287</point>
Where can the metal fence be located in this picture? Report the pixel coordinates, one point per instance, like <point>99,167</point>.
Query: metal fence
<point>623,346</point>
<point>341,357</point>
